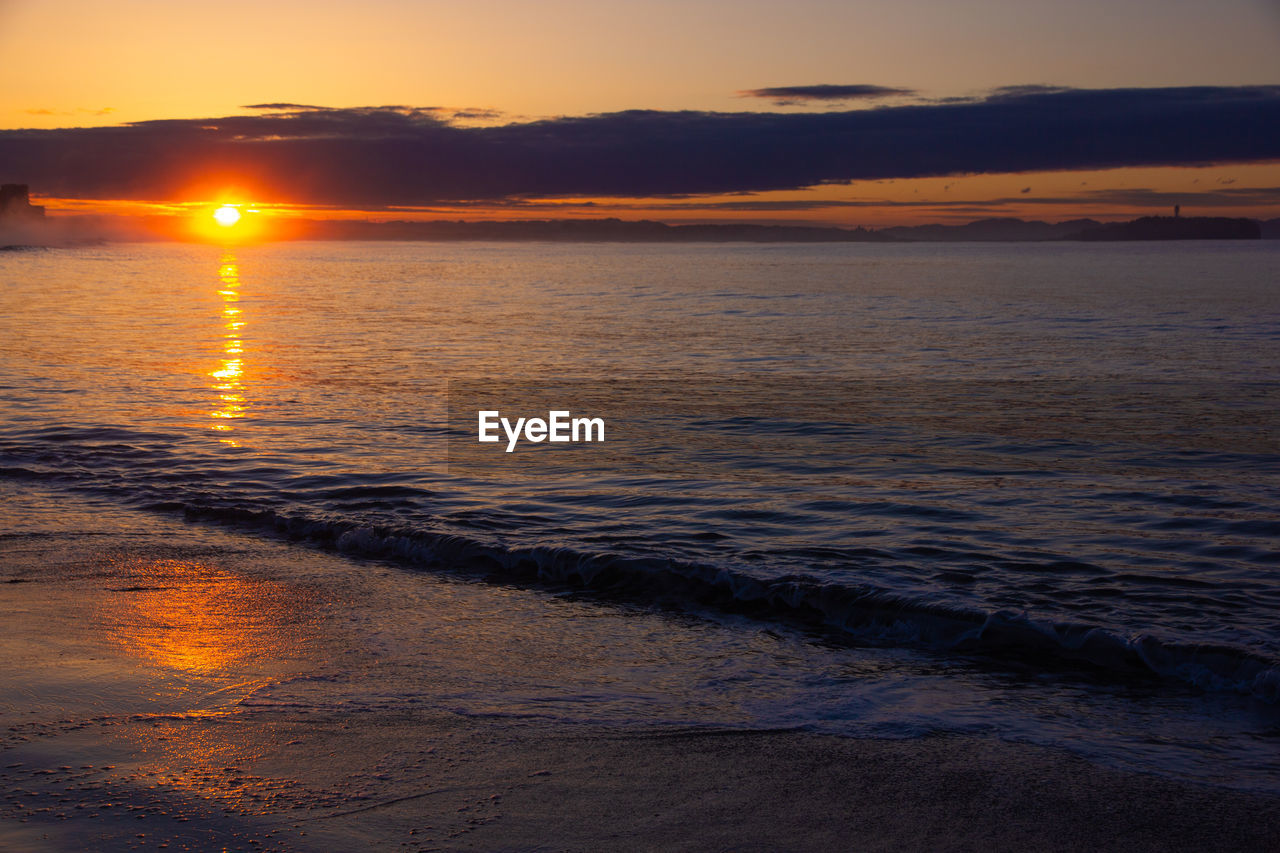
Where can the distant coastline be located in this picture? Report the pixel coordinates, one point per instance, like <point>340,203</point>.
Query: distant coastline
<point>649,231</point>
<point>27,231</point>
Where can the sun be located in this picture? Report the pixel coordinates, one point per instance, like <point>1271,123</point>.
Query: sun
<point>226,216</point>
<point>230,219</point>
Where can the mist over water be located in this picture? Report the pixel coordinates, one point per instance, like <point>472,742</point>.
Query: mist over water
<point>1023,489</point>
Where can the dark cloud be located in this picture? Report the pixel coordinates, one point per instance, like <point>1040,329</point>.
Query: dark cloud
<point>790,95</point>
<point>475,114</point>
<point>280,107</point>
<point>1240,197</point>
<point>395,155</point>
<point>1096,199</point>
<point>443,113</point>
<point>1024,90</point>
<point>1128,198</point>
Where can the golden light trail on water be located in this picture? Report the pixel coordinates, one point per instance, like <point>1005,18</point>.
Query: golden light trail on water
<point>230,374</point>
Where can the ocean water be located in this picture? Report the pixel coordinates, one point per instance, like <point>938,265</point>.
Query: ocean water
<point>1023,490</point>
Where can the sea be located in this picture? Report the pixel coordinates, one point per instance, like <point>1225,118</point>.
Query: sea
<point>1024,491</point>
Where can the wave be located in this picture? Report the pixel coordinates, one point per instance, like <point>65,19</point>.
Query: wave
<point>859,613</point>
<point>156,471</point>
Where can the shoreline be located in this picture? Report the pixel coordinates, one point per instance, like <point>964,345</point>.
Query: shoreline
<point>505,787</point>
<point>178,687</point>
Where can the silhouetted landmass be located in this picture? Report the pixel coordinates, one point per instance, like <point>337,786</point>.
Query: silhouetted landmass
<point>23,224</point>
<point>999,230</point>
<point>15,203</point>
<point>583,231</point>
<point>649,231</point>
<point>1175,228</point>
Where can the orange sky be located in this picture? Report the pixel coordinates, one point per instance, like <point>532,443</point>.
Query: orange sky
<point>1052,196</point>
<point>82,62</point>
<point>77,63</point>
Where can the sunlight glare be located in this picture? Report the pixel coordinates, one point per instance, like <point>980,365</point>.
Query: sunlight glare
<point>226,216</point>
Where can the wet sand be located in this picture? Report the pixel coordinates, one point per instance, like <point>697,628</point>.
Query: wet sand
<point>418,781</point>
<point>184,688</point>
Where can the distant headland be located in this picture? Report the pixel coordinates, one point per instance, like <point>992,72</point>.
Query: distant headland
<point>15,204</point>
<point>1144,228</point>
<point>648,231</point>
<point>1175,228</point>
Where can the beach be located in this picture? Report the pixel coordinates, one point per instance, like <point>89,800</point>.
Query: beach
<point>993,572</point>
<point>661,427</point>
<point>268,706</point>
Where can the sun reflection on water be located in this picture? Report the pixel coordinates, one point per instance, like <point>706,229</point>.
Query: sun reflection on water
<point>214,635</point>
<point>199,620</point>
<point>229,377</point>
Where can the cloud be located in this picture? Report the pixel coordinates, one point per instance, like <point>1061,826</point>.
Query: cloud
<point>792,95</point>
<point>104,111</point>
<point>395,155</point>
<point>449,113</point>
<point>280,106</point>
<point>1095,199</point>
<point>475,114</point>
<point>1237,197</point>
<point>1024,90</point>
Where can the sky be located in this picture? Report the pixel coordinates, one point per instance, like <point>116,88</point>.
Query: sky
<point>845,113</point>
